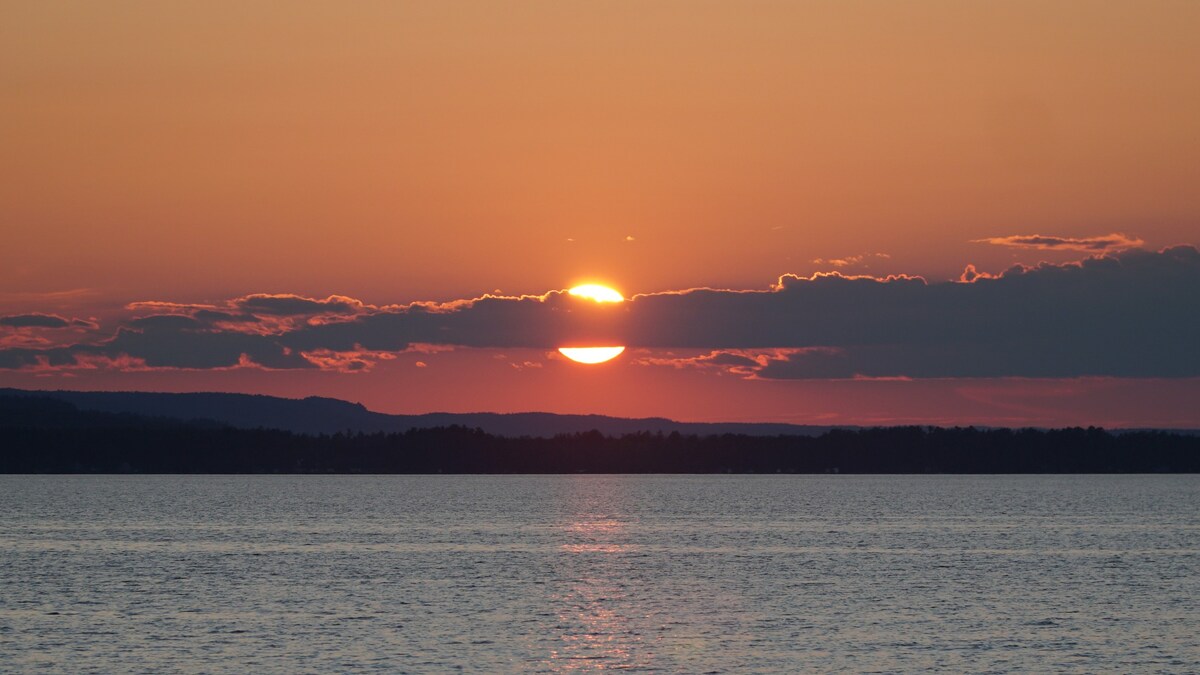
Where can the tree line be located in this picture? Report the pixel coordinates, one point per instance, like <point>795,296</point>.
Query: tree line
<point>45,436</point>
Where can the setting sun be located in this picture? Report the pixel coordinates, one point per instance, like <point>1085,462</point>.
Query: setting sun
<point>351,285</point>
<point>592,355</point>
<point>597,292</point>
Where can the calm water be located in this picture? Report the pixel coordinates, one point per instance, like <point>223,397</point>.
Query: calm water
<point>565,573</point>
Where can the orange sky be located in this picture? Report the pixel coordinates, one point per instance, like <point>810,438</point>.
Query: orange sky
<point>395,152</point>
<point>405,151</point>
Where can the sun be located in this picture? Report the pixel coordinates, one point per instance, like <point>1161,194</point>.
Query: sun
<point>597,292</point>
<point>593,355</point>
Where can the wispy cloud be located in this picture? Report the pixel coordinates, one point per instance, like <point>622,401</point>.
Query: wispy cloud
<point>850,260</point>
<point>746,362</point>
<point>1041,242</point>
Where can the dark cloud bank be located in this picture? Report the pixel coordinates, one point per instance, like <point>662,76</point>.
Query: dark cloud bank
<point>42,321</point>
<point>1128,314</point>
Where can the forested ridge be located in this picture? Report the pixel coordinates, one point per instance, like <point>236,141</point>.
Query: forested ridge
<point>45,436</point>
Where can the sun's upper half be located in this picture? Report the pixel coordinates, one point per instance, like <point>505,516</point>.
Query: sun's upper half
<point>597,292</point>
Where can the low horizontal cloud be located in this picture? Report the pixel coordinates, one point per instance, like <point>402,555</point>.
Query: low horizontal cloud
<point>1131,313</point>
<point>1041,242</point>
<point>295,305</point>
<point>37,320</point>
<point>212,316</point>
<point>746,362</point>
<point>34,321</point>
<point>850,260</point>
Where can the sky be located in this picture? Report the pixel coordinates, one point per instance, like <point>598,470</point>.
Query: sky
<point>843,212</point>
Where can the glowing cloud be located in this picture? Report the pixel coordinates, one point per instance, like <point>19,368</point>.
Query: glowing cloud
<point>1133,313</point>
<point>1112,242</point>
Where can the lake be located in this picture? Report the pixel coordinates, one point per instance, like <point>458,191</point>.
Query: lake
<point>289,574</point>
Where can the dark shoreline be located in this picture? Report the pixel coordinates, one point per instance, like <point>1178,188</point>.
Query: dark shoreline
<point>41,436</point>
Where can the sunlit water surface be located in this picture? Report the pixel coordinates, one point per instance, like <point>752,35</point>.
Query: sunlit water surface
<point>564,573</point>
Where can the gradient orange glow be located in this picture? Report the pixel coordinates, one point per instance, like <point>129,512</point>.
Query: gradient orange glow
<point>179,147</point>
<point>185,153</point>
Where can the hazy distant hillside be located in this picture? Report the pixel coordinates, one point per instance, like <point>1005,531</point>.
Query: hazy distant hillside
<point>44,435</point>
<point>316,415</point>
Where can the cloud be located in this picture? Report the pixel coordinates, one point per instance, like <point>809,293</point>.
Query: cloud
<point>164,307</point>
<point>734,361</point>
<point>1110,242</point>
<point>181,347</point>
<point>167,321</point>
<point>850,260</point>
<point>34,321</point>
<point>213,316</point>
<point>347,362</point>
<point>37,320</point>
<point>34,358</point>
<point>295,305</point>
<point>72,296</point>
<point>1133,313</point>
<point>971,274</point>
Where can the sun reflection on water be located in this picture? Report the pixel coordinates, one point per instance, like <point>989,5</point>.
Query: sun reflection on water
<point>597,607</point>
<point>599,534</point>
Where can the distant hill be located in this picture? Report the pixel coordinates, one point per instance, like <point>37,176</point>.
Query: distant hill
<point>39,434</point>
<point>317,415</point>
